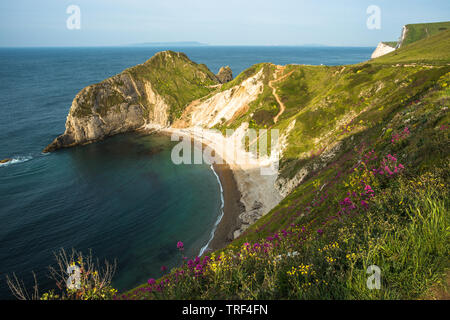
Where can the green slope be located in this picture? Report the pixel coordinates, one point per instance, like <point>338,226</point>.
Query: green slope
<point>372,141</point>
<point>431,50</point>
<point>178,79</point>
<point>349,121</point>
<point>392,44</point>
<point>173,75</point>
<point>419,31</point>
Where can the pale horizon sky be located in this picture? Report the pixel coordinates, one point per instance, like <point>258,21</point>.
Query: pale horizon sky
<point>28,23</point>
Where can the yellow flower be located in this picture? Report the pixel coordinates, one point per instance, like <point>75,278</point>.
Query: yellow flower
<point>330,259</point>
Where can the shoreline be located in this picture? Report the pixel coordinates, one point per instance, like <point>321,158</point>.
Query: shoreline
<point>248,194</point>
<point>232,208</point>
<point>222,213</point>
<point>229,221</point>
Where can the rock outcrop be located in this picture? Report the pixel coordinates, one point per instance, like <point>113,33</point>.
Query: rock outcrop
<point>381,50</point>
<point>223,106</point>
<point>116,105</point>
<point>225,75</point>
<point>151,93</point>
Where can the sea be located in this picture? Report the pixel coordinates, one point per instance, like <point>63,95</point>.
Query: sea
<point>121,199</point>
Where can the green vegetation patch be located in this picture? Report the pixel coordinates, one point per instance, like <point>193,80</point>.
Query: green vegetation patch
<point>421,31</point>
<point>434,50</point>
<point>176,78</point>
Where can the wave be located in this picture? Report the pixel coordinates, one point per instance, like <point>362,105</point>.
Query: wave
<point>16,160</point>
<point>203,249</point>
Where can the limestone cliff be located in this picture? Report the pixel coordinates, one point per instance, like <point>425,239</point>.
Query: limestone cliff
<point>155,92</point>
<point>381,50</point>
<point>411,33</point>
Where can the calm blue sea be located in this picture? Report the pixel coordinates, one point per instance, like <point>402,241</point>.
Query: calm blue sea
<point>123,198</point>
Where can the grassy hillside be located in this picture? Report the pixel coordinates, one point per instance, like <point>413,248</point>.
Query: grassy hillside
<point>392,44</point>
<point>173,75</point>
<point>372,140</point>
<point>432,50</point>
<point>178,79</point>
<point>419,31</point>
<point>369,147</point>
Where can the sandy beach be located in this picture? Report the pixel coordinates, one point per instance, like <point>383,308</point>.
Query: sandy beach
<point>248,194</point>
<point>232,209</point>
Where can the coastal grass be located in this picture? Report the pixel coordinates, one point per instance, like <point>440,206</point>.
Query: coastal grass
<point>382,201</point>
<point>404,232</point>
<point>420,52</point>
<point>419,31</point>
<point>176,78</point>
<point>369,147</point>
<point>172,75</point>
<point>392,44</point>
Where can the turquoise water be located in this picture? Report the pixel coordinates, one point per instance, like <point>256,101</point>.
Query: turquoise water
<point>123,198</point>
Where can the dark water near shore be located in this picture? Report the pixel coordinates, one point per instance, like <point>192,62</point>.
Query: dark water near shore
<point>122,197</point>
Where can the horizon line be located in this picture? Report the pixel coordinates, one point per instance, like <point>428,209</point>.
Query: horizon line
<point>185,46</point>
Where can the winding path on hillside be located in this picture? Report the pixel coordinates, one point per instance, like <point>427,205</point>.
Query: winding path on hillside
<point>280,69</point>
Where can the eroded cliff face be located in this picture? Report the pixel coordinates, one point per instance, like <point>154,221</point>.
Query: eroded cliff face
<point>134,98</point>
<point>224,106</point>
<point>381,50</point>
<point>116,105</point>
<point>225,75</point>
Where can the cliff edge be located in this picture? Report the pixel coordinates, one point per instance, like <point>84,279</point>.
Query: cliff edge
<point>155,92</point>
<point>382,49</point>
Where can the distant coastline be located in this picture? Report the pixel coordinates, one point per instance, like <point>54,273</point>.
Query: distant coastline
<point>169,44</point>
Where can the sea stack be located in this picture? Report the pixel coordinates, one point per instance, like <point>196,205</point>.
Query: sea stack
<point>225,75</point>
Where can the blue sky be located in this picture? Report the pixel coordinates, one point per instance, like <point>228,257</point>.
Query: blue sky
<point>225,22</point>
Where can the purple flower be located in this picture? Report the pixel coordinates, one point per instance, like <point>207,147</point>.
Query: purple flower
<point>392,158</point>
<point>346,202</point>
<point>163,268</point>
<point>386,168</point>
<point>319,231</point>
<point>364,204</point>
<point>151,281</point>
<point>180,245</point>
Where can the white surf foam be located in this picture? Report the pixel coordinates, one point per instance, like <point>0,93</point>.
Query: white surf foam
<point>202,250</point>
<point>16,160</point>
